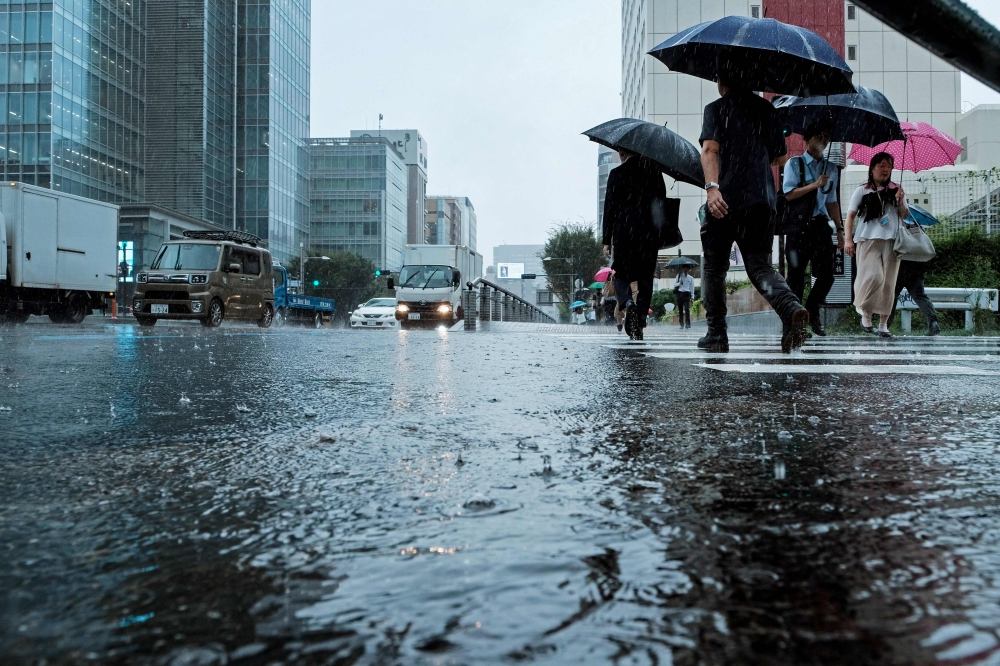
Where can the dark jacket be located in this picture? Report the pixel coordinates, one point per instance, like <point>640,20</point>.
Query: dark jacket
<point>628,216</point>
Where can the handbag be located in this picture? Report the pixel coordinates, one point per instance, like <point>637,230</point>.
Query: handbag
<point>792,216</point>
<point>666,230</point>
<point>912,243</point>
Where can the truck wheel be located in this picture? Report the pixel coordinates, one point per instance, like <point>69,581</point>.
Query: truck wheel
<point>267,316</point>
<point>279,317</point>
<point>57,318</point>
<point>77,309</point>
<point>317,320</point>
<point>215,314</point>
<point>145,321</point>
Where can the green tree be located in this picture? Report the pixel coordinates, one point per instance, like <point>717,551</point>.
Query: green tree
<point>347,278</point>
<point>573,253</point>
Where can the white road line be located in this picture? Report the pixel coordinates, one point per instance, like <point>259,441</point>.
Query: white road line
<point>795,369</point>
<point>816,350</point>
<point>739,356</point>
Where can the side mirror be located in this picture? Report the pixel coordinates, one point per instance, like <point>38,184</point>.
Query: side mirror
<point>234,268</point>
<point>456,278</point>
<point>390,283</point>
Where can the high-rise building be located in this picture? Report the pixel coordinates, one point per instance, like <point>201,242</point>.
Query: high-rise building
<point>414,150</point>
<point>450,221</point>
<point>71,116</point>
<point>607,160</point>
<point>920,86</point>
<point>272,121</point>
<point>358,198</point>
<point>191,108</point>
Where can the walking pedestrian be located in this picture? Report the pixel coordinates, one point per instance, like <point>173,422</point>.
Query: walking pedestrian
<point>813,177</point>
<point>878,206</point>
<point>911,276</point>
<point>684,290</point>
<point>610,302</point>
<point>741,139</point>
<point>629,231</point>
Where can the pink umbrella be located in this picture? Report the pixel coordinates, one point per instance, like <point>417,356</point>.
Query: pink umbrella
<point>924,148</point>
<point>602,275</point>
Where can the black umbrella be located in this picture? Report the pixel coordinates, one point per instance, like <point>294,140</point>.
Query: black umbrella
<point>675,155</point>
<point>866,117</point>
<point>760,54</point>
<point>679,262</point>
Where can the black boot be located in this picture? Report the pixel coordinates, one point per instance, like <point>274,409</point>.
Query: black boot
<point>933,328</point>
<point>793,334</point>
<point>631,319</point>
<point>816,325</point>
<point>715,341</point>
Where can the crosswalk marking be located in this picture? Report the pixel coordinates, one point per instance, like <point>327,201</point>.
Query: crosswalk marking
<point>792,369</point>
<point>856,356</point>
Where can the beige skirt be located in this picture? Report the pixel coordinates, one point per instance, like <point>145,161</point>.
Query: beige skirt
<point>877,266</point>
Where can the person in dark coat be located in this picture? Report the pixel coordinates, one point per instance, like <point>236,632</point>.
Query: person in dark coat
<point>911,275</point>
<point>629,234</point>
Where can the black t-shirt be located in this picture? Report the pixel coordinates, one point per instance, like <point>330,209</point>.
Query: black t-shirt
<point>750,138</point>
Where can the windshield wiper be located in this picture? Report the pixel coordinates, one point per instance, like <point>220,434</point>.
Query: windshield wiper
<point>435,272</point>
<point>408,279</point>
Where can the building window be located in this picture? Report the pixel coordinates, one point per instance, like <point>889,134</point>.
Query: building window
<point>964,155</point>
<point>754,11</point>
<point>852,12</point>
<point>544,298</point>
<point>852,52</point>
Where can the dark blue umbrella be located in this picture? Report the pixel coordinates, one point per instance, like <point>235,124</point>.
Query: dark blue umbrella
<point>675,155</point>
<point>866,117</point>
<point>760,54</point>
<point>918,214</point>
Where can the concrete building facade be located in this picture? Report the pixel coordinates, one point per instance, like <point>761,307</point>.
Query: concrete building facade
<point>413,148</point>
<point>450,220</point>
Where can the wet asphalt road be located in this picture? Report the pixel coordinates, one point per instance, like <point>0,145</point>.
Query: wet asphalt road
<point>187,497</point>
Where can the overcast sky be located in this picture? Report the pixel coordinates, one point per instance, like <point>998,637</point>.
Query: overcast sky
<point>499,90</point>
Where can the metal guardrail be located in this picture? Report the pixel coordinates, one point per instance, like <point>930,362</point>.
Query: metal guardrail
<point>486,301</point>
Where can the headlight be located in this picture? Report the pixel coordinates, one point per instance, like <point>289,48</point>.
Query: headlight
<point>196,306</point>
<point>444,308</point>
<point>199,279</point>
<point>402,307</point>
<point>141,278</point>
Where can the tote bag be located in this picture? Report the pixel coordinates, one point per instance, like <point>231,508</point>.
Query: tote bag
<point>913,243</point>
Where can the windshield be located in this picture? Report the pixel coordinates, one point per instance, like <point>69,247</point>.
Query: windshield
<point>187,257</point>
<point>381,303</point>
<point>425,277</point>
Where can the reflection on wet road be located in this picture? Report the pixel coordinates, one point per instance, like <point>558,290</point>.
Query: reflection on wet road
<point>194,497</point>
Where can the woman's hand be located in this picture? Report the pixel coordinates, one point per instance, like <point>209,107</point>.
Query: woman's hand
<point>849,247</point>
<point>607,251</point>
<point>900,196</point>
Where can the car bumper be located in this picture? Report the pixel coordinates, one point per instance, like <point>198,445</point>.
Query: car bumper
<point>374,323</point>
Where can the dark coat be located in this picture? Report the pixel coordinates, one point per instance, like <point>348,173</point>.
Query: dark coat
<point>628,216</point>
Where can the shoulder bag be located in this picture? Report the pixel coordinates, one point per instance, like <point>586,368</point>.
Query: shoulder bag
<point>792,216</point>
<point>666,228</point>
<point>912,243</point>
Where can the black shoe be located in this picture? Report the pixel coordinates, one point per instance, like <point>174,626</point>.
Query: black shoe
<point>816,326</point>
<point>933,329</point>
<point>631,319</point>
<point>688,325</point>
<point>715,342</point>
<point>637,334</point>
<point>868,329</point>
<point>793,334</point>
<point>885,335</point>
<point>619,328</point>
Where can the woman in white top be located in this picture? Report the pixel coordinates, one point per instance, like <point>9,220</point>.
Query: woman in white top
<point>877,207</point>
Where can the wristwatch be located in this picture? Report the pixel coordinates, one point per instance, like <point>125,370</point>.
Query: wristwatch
<point>709,186</point>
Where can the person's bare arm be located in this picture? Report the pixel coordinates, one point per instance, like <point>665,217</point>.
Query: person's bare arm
<point>849,234</point>
<point>799,192</point>
<point>901,206</point>
<point>710,165</point>
<point>833,210</point>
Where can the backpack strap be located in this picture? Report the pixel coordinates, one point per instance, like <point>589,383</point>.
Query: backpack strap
<point>802,171</point>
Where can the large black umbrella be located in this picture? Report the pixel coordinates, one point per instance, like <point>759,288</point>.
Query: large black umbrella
<point>680,262</point>
<point>675,155</point>
<point>866,117</point>
<point>761,54</point>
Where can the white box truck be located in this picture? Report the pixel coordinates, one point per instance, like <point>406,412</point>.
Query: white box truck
<point>429,289</point>
<point>58,254</point>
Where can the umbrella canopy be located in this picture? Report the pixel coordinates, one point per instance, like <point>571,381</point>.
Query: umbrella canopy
<point>865,117</point>
<point>603,274</point>
<point>676,156</point>
<point>920,215</point>
<point>577,304</point>
<point>678,262</point>
<point>761,54</point>
<point>923,148</point>
<point>596,285</point>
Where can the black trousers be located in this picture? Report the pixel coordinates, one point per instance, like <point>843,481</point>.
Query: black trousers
<point>684,306</point>
<point>752,230</point>
<point>813,246</point>
<point>644,278</point>
<point>911,276</point>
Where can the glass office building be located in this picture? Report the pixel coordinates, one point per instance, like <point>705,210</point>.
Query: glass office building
<point>72,102</point>
<point>358,199</point>
<point>272,166</point>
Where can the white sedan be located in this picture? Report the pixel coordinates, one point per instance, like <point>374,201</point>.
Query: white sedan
<point>376,313</point>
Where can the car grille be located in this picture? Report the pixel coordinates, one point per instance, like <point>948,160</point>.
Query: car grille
<point>160,295</point>
<point>372,316</point>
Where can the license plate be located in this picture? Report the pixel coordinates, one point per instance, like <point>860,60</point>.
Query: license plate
<point>158,308</point>
<point>414,315</point>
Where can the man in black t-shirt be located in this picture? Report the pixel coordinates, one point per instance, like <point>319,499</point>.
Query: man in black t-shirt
<point>741,139</point>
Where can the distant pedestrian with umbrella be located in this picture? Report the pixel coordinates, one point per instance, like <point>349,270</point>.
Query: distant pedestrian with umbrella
<point>873,218</point>
<point>683,288</point>
<point>813,182</point>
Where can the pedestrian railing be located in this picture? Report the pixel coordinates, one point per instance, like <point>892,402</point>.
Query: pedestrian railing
<point>488,302</point>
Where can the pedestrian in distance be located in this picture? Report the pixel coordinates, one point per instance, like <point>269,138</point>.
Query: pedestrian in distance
<point>911,277</point>
<point>741,139</point>
<point>873,217</point>
<point>610,302</point>
<point>629,234</point>
<point>619,312</point>
<point>814,178</point>
<point>684,291</point>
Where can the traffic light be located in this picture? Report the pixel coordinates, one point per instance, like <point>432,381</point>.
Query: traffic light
<point>315,283</point>
<point>378,272</point>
